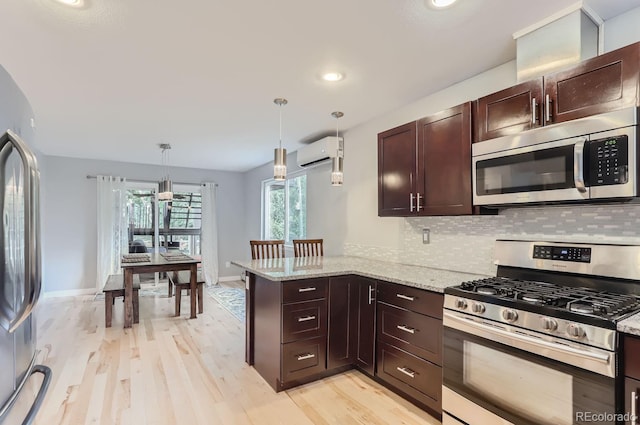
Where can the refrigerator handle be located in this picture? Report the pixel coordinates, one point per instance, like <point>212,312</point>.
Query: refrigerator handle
<point>37,403</point>
<point>32,281</point>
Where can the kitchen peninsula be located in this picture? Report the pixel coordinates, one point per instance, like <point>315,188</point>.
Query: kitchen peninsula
<point>311,317</point>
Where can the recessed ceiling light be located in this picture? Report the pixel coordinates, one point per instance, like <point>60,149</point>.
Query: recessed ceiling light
<point>74,3</point>
<point>332,76</point>
<point>441,3</point>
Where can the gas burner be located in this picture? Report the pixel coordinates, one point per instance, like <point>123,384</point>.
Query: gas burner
<point>486,290</point>
<point>582,308</point>
<point>532,298</point>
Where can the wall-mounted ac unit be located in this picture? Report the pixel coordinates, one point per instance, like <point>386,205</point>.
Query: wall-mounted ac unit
<point>320,151</point>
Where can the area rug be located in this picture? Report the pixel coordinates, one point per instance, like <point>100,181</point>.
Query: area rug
<point>231,299</point>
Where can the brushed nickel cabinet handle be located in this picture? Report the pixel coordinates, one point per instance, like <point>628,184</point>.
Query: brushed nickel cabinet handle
<point>306,318</point>
<point>411,198</point>
<point>405,297</point>
<point>306,356</point>
<point>634,408</point>
<point>406,371</point>
<point>306,289</point>
<point>534,111</point>
<point>547,109</point>
<point>406,329</point>
<point>418,199</point>
<point>371,294</point>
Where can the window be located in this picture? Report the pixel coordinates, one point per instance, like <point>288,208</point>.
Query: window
<point>284,207</point>
<point>179,220</point>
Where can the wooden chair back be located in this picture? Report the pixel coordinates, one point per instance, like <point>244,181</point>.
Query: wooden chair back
<point>308,247</point>
<point>267,249</point>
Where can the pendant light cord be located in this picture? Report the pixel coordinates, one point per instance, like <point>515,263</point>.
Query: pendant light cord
<point>280,109</point>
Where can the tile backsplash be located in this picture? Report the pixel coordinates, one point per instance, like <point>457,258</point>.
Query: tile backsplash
<point>465,243</point>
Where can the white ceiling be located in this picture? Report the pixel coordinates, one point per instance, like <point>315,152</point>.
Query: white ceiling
<point>114,78</point>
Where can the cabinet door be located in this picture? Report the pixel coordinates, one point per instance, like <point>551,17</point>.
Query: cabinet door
<point>343,306</point>
<point>444,162</point>
<point>366,325</point>
<point>601,84</point>
<point>396,170</point>
<point>509,111</point>
<point>631,393</point>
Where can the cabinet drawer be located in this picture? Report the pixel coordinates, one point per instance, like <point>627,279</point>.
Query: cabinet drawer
<point>304,290</point>
<point>632,356</point>
<point>412,375</point>
<point>301,359</point>
<point>414,299</point>
<point>304,320</point>
<point>413,332</point>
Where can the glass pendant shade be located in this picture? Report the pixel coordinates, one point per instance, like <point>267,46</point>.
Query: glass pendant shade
<point>337,175</point>
<point>279,164</point>
<point>165,190</point>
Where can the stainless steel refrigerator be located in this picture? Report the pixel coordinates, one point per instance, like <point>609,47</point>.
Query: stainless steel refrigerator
<point>19,283</point>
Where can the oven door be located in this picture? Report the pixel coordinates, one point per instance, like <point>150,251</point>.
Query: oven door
<point>495,378</point>
<point>544,172</point>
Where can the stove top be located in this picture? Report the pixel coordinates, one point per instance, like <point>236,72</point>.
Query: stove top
<point>553,297</point>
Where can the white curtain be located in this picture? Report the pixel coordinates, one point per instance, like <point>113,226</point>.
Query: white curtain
<point>112,226</point>
<point>209,234</point>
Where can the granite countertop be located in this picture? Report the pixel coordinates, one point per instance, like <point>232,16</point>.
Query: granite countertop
<point>630,325</point>
<point>283,269</point>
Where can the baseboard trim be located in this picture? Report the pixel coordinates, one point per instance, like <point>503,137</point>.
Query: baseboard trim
<point>70,293</point>
<point>228,278</point>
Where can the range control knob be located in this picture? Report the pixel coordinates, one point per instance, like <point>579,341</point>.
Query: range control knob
<point>477,308</point>
<point>574,330</point>
<point>510,315</point>
<point>461,304</point>
<point>549,324</point>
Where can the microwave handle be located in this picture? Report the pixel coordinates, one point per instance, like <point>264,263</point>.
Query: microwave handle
<point>578,165</point>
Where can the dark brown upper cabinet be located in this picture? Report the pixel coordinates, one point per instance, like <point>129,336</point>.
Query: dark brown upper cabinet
<point>601,84</point>
<point>509,111</point>
<point>424,167</point>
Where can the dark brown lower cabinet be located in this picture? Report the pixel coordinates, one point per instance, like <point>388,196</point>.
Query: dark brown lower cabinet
<point>631,394</point>
<point>343,298</point>
<point>366,325</point>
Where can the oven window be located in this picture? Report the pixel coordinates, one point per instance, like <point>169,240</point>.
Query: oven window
<point>522,387</point>
<point>545,169</point>
<point>506,380</point>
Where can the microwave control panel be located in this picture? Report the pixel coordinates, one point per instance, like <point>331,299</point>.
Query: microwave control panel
<point>609,161</point>
<point>562,253</point>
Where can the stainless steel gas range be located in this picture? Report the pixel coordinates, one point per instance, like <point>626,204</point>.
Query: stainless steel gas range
<point>537,344</point>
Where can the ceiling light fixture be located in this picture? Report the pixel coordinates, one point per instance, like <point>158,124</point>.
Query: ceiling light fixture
<point>332,76</point>
<point>280,154</point>
<point>165,187</point>
<point>337,162</point>
<point>440,4</point>
<point>74,3</point>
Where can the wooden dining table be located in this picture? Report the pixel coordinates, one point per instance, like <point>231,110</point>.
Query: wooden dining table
<point>157,263</point>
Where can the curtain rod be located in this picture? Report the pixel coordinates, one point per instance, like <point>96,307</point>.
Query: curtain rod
<point>154,181</point>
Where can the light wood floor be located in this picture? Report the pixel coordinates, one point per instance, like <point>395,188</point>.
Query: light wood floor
<point>172,370</point>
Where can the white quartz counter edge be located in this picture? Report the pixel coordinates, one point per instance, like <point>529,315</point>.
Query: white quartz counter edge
<point>431,279</point>
<point>630,325</point>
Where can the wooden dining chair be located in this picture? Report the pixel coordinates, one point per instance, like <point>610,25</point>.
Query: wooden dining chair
<point>308,247</point>
<point>267,249</point>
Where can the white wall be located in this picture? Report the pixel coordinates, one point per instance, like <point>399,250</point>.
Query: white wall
<point>70,223</point>
<point>458,243</point>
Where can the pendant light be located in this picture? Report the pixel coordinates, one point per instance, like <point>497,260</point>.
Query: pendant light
<point>337,171</point>
<point>165,186</point>
<point>280,154</point>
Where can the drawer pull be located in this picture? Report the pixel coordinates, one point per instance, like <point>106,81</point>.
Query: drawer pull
<point>406,329</point>
<point>408,372</point>
<point>307,289</point>
<point>306,318</point>
<point>306,356</point>
<point>405,297</point>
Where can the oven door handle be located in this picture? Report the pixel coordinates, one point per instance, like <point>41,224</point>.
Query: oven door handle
<point>563,352</point>
<point>578,165</point>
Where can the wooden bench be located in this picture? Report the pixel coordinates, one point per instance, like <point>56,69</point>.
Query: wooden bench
<point>181,281</point>
<point>115,288</point>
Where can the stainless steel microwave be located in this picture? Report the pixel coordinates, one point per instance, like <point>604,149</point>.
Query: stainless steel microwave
<point>593,158</point>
